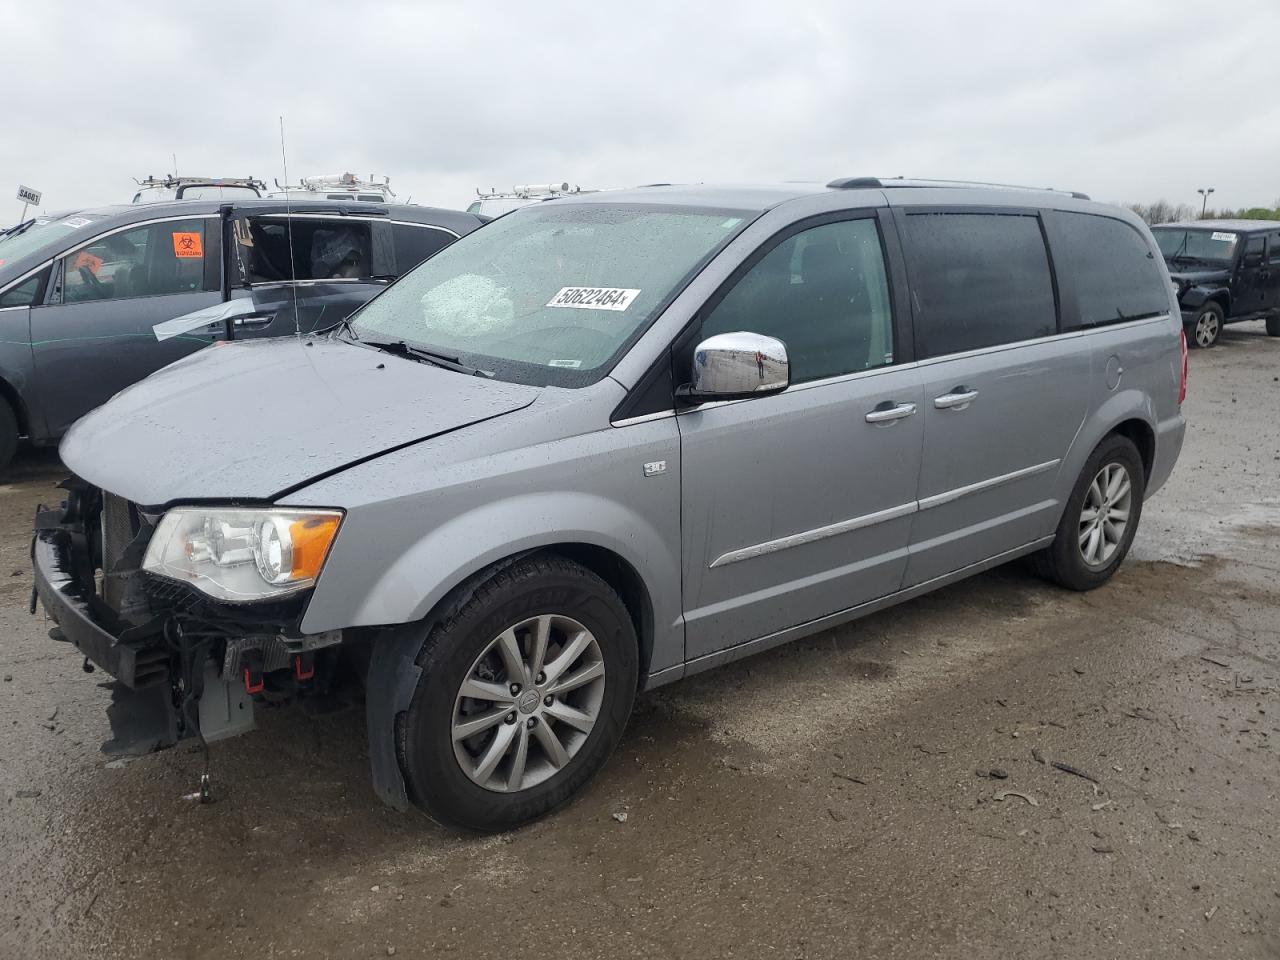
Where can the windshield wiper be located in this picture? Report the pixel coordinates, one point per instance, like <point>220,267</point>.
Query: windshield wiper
<point>17,229</point>
<point>402,349</point>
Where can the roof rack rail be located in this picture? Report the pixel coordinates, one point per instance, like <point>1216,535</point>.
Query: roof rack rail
<point>850,183</point>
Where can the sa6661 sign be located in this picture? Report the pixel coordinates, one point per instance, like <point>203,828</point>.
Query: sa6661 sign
<point>27,195</point>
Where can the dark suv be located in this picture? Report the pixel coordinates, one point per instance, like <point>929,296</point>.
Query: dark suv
<point>1225,271</point>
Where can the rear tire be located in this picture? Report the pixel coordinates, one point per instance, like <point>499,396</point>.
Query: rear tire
<point>1273,325</point>
<point>1090,544</point>
<point>540,730</point>
<point>1206,328</point>
<point>8,434</point>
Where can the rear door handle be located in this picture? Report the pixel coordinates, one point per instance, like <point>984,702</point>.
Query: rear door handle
<point>957,399</point>
<point>888,411</point>
<point>254,320</point>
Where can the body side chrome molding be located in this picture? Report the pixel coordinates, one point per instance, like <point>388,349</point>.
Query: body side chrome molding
<point>345,217</point>
<point>818,533</point>
<point>880,516</point>
<point>947,496</point>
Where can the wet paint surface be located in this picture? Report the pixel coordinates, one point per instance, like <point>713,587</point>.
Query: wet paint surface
<point>814,801</point>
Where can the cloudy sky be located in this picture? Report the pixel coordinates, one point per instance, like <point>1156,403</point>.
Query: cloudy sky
<point>1126,101</point>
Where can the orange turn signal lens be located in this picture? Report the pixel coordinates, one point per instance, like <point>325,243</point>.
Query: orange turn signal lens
<point>311,538</point>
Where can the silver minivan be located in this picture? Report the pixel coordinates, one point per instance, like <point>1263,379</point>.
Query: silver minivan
<point>605,442</point>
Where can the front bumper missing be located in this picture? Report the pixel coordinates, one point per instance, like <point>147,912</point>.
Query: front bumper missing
<point>81,615</point>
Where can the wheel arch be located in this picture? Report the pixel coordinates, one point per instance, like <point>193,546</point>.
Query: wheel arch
<point>1129,413</point>
<point>1143,436</point>
<point>9,393</point>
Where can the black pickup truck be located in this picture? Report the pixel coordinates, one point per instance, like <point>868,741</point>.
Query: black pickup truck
<point>1225,271</point>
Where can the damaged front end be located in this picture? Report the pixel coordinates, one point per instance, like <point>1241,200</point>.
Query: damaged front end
<point>184,664</point>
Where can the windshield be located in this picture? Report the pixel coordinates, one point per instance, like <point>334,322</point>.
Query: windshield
<point>1207,246</point>
<point>33,236</point>
<point>551,294</point>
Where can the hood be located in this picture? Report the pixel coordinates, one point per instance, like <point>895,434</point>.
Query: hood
<point>249,421</point>
<point>1197,275</point>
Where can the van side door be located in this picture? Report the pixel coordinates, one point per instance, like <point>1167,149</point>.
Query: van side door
<point>1003,395</point>
<point>1271,281</point>
<point>307,271</point>
<point>797,505</point>
<point>94,333</point>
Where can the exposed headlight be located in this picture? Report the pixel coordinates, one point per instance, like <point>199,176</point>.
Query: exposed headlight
<point>242,555</point>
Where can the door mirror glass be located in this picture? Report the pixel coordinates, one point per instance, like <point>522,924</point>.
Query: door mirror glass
<point>1253,253</point>
<point>733,366</point>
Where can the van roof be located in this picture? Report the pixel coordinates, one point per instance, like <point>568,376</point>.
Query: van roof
<point>765,196</point>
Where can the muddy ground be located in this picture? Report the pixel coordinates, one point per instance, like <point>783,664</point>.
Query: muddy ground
<point>820,800</point>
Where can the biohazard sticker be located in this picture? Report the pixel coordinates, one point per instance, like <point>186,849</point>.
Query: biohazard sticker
<point>188,245</point>
<point>594,298</point>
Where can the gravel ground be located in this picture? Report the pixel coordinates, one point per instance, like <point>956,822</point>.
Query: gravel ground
<point>844,794</point>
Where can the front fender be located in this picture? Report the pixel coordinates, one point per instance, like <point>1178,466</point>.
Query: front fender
<point>1196,297</point>
<point>408,586</point>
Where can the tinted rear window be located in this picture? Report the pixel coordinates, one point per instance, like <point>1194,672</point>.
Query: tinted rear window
<point>1115,274</point>
<point>978,280</point>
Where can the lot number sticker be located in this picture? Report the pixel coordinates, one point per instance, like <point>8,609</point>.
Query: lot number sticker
<point>594,298</point>
<point>1229,237</point>
<point>187,245</point>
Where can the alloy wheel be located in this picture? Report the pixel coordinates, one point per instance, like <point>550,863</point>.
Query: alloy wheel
<point>1104,516</point>
<point>528,703</point>
<point>1207,328</point>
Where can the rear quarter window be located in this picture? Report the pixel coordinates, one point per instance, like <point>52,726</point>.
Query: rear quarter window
<point>978,280</point>
<point>415,244</point>
<point>1114,273</point>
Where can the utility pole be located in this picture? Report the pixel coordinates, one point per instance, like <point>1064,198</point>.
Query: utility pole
<point>1204,192</point>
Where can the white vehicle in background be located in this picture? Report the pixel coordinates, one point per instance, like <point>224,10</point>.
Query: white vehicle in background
<point>337,186</point>
<point>154,189</point>
<point>495,203</point>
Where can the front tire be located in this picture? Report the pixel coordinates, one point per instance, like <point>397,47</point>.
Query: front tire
<point>526,688</point>
<point>1100,520</point>
<point>1206,328</point>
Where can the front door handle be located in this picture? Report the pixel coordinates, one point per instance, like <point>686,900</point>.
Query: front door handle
<point>888,411</point>
<point>957,399</point>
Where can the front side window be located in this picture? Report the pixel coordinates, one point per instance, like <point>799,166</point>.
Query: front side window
<point>1274,256</point>
<point>553,294</point>
<point>978,280</point>
<point>1116,276</point>
<point>1185,247</point>
<point>151,261</point>
<point>823,292</point>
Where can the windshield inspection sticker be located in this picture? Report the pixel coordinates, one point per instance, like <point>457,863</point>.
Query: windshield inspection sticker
<point>1229,237</point>
<point>594,298</point>
<point>76,222</point>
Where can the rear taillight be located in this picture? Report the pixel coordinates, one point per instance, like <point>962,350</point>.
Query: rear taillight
<point>1182,388</point>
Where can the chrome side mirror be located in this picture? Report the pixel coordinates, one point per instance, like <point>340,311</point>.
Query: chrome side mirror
<point>734,366</point>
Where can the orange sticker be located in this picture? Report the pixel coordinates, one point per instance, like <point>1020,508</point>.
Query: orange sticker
<point>188,245</point>
<point>86,259</point>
